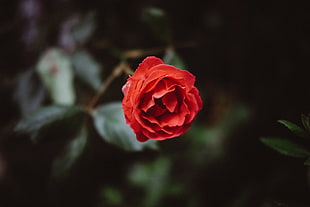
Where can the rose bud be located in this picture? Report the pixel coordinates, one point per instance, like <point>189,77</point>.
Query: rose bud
<point>160,101</point>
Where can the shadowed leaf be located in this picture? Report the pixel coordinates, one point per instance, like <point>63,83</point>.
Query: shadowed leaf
<point>55,70</point>
<point>295,129</point>
<point>286,147</point>
<point>70,155</point>
<point>158,21</point>
<point>83,30</point>
<point>49,119</point>
<point>29,92</point>
<point>87,69</point>
<point>172,58</point>
<point>110,123</point>
<point>306,121</point>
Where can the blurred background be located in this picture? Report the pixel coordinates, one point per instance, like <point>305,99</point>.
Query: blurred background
<point>251,61</point>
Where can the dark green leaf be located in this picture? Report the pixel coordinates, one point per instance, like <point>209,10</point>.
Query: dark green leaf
<point>306,121</point>
<point>307,162</point>
<point>295,129</point>
<point>158,21</point>
<point>29,92</point>
<point>70,155</point>
<point>87,69</point>
<point>49,119</point>
<point>55,70</point>
<point>171,58</point>
<point>286,147</point>
<point>82,31</point>
<point>110,123</point>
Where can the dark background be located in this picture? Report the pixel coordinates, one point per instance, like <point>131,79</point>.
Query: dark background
<point>254,53</point>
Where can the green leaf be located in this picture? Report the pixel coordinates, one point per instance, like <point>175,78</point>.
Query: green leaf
<point>286,147</point>
<point>154,178</point>
<point>29,93</point>
<point>87,69</point>
<point>295,129</point>
<point>172,58</point>
<point>70,155</point>
<point>307,162</point>
<point>110,123</point>
<point>55,70</point>
<point>47,120</point>
<point>82,31</point>
<point>306,121</point>
<point>158,21</point>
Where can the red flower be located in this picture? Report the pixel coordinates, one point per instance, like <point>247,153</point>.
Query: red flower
<point>160,100</point>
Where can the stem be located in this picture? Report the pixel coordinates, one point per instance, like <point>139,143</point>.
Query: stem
<point>118,70</point>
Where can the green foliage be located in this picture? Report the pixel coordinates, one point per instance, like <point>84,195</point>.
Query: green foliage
<point>29,92</point>
<point>111,196</point>
<point>158,21</point>
<point>87,69</point>
<point>208,143</point>
<point>82,31</point>
<point>70,155</point>
<point>295,129</point>
<point>153,177</point>
<point>291,148</point>
<point>55,70</point>
<point>306,121</point>
<point>49,119</point>
<point>286,147</point>
<point>172,58</point>
<point>110,123</point>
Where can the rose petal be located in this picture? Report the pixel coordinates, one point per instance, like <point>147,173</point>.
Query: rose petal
<point>197,96</point>
<point>170,101</point>
<point>160,135</point>
<point>141,137</point>
<point>183,77</point>
<point>171,119</point>
<point>146,65</point>
<point>156,110</point>
<point>194,105</point>
<point>170,83</point>
<point>154,126</point>
<point>125,88</point>
<point>161,90</point>
<point>147,102</point>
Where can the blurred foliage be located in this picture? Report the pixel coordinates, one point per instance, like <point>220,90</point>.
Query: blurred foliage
<point>73,151</point>
<point>291,148</point>
<point>51,118</point>
<point>109,120</point>
<point>172,58</point>
<point>55,70</point>
<point>158,21</point>
<point>57,56</point>
<point>87,69</point>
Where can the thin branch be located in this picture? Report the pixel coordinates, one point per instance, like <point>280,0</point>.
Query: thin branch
<point>118,70</point>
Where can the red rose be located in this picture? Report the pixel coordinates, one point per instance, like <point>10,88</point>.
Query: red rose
<point>160,100</point>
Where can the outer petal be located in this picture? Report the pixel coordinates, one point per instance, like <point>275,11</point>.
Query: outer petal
<point>126,87</point>
<point>141,137</point>
<point>146,65</point>
<point>160,71</point>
